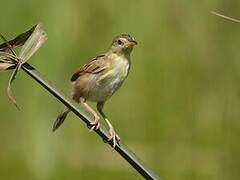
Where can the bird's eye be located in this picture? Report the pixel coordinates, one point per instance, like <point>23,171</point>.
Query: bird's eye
<point>119,42</point>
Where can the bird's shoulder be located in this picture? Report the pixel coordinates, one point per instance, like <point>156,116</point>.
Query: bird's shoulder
<point>96,65</point>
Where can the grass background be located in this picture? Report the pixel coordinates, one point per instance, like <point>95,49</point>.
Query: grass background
<point>178,109</point>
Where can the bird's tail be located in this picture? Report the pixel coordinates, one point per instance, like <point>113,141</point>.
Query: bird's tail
<point>60,119</point>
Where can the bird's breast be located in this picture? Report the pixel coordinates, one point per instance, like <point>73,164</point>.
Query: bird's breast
<point>110,80</point>
<point>120,67</point>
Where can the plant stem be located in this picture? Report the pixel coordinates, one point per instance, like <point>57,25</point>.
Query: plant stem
<point>122,149</point>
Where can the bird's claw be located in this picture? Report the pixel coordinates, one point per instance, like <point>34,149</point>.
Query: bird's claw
<point>113,137</point>
<point>95,124</point>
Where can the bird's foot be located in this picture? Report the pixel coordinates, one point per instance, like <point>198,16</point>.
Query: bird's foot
<point>113,137</point>
<point>95,124</point>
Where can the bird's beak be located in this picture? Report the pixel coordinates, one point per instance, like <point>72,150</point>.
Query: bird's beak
<point>132,43</point>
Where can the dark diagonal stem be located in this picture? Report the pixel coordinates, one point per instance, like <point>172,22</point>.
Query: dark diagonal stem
<point>128,155</point>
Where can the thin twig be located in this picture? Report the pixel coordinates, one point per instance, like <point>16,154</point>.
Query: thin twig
<point>225,17</point>
<point>13,75</point>
<point>122,149</point>
<point>9,90</point>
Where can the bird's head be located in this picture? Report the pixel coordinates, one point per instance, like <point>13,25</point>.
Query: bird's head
<point>123,44</point>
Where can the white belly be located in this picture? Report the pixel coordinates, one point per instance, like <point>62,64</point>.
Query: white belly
<point>105,86</point>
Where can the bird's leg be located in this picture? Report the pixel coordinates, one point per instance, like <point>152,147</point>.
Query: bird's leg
<point>113,135</point>
<point>95,124</point>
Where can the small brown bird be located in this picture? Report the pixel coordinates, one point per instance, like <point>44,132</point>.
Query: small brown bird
<point>98,80</point>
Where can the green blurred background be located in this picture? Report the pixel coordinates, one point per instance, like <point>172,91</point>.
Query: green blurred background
<point>178,109</point>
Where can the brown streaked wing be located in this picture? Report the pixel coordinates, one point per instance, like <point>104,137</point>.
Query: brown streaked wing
<point>95,66</point>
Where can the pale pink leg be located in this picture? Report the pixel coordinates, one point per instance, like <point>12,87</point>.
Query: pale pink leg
<point>113,135</point>
<point>95,124</point>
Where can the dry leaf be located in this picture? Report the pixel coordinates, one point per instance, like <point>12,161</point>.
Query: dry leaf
<point>31,40</point>
<point>33,43</point>
<point>18,41</point>
<point>4,66</point>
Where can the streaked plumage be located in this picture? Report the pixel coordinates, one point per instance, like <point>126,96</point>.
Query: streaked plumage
<point>99,79</point>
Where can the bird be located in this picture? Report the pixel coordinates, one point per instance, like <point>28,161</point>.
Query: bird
<point>99,79</point>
